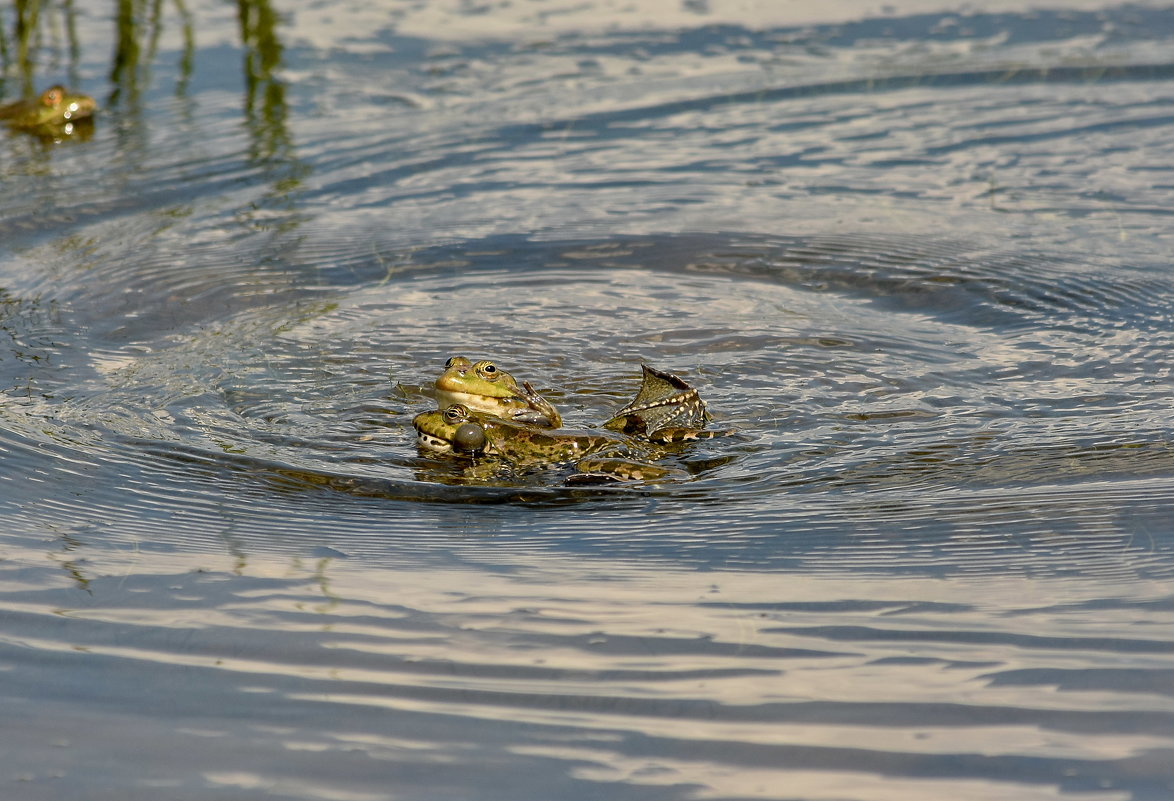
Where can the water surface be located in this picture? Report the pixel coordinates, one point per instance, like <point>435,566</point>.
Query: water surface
<point>919,260</point>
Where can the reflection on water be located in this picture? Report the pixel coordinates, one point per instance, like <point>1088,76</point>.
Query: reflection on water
<point>731,681</point>
<point>265,106</point>
<point>21,35</point>
<point>934,562</point>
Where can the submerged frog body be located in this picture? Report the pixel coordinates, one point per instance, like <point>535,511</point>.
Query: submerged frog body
<point>496,441</point>
<point>57,107</point>
<point>483,387</point>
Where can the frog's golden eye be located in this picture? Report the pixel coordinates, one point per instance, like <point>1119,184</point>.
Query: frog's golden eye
<point>488,371</point>
<point>451,359</point>
<point>53,96</point>
<point>455,413</point>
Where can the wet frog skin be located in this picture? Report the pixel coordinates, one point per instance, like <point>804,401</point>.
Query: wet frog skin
<point>55,108</point>
<point>666,409</point>
<point>485,416</point>
<point>485,388</point>
<point>460,431</point>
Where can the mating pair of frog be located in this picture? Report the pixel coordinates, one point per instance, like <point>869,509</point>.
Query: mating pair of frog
<point>485,414</point>
<point>56,108</point>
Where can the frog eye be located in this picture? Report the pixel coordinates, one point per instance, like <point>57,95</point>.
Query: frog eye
<point>488,371</point>
<point>459,363</point>
<point>53,96</point>
<point>455,413</point>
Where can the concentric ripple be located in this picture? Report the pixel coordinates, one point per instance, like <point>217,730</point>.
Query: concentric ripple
<point>886,371</point>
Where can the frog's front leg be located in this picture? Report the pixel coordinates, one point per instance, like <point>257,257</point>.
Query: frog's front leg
<point>541,412</point>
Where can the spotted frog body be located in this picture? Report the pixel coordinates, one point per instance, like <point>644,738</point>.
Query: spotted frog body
<point>460,431</point>
<point>666,409</point>
<point>487,417</point>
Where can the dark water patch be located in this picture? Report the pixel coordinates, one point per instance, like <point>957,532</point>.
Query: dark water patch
<point>1117,645</point>
<point>1137,680</point>
<point>892,83</point>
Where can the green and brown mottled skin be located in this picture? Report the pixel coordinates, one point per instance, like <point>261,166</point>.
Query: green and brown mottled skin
<point>486,416</point>
<point>666,409</point>
<point>460,431</point>
<point>56,107</point>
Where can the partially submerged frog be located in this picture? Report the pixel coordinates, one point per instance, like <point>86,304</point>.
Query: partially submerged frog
<point>57,107</point>
<point>484,416</point>
<point>485,388</point>
<point>458,430</point>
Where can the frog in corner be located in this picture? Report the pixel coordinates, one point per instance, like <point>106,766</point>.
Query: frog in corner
<point>54,110</point>
<point>486,416</point>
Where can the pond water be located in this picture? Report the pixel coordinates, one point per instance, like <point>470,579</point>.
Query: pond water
<point>917,256</point>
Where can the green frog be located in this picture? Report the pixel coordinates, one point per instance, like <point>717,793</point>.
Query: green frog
<point>487,417</point>
<point>460,431</point>
<point>55,108</point>
<point>484,387</point>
